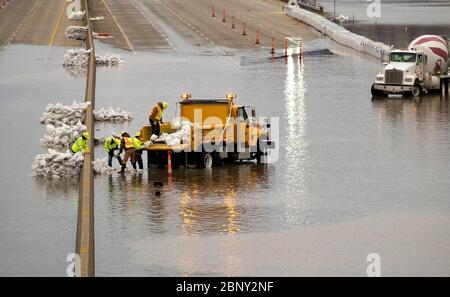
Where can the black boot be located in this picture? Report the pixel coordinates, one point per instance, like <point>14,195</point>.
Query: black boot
<point>134,165</point>
<point>123,169</point>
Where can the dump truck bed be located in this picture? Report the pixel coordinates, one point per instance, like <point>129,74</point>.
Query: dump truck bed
<point>162,147</point>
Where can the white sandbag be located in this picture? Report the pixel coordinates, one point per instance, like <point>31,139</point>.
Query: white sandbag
<point>59,114</point>
<point>61,137</point>
<point>97,18</point>
<point>112,115</point>
<point>77,15</point>
<point>80,58</point>
<point>54,164</point>
<point>100,166</point>
<point>76,32</point>
<point>339,34</point>
<point>182,136</point>
<point>108,59</point>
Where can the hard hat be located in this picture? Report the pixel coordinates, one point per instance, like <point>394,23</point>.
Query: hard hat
<point>86,135</point>
<point>138,134</point>
<point>164,105</point>
<point>115,135</point>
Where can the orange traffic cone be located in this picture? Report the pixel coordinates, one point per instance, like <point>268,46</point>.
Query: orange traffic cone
<point>257,37</point>
<point>169,163</point>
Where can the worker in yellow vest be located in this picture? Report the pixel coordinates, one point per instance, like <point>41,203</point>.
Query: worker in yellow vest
<point>127,145</point>
<point>138,146</point>
<point>156,116</point>
<point>81,144</point>
<point>111,146</point>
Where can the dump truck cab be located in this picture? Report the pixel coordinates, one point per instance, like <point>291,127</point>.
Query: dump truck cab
<point>219,130</point>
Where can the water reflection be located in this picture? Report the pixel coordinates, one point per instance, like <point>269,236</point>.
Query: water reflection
<point>431,109</point>
<point>57,189</point>
<point>223,200</point>
<point>297,158</point>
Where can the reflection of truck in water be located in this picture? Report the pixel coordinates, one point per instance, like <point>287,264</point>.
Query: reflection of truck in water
<point>416,70</point>
<point>219,130</point>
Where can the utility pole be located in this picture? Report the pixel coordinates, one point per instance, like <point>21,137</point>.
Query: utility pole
<point>334,9</point>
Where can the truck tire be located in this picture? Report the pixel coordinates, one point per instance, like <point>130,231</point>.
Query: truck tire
<point>207,160</point>
<point>417,91</point>
<point>259,154</point>
<point>377,93</point>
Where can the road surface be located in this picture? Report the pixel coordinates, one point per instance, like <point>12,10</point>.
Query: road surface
<point>39,22</point>
<point>174,24</point>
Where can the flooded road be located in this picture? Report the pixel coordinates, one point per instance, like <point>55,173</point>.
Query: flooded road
<point>354,176</point>
<point>345,162</point>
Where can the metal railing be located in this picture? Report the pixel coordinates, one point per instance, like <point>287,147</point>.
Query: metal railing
<point>85,241</point>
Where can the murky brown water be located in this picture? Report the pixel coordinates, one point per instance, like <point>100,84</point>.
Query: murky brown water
<point>354,176</point>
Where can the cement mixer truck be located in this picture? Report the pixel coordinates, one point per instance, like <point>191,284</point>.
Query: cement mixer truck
<point>416,70</point>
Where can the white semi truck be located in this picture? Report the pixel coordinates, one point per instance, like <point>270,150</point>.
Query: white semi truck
<point>415,70</point>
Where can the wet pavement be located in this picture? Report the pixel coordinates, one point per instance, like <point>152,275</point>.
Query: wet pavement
<point>354,176</point>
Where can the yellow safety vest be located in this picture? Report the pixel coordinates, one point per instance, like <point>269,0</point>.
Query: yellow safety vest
<point>108,146</point>
<point>137,144</point>
<point>79,145</point>
<point>129,143</point>
<point>160,113</point>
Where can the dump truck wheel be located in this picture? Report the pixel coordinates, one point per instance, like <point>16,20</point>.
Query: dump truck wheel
<point>259,153</point>
<point>207,160</point>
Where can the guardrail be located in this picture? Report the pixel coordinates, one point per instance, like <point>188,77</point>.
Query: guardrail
<point>85,241</point>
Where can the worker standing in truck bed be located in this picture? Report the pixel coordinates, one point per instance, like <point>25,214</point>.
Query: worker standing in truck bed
<point>156,116</point>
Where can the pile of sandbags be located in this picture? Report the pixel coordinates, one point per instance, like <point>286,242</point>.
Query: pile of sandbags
<point>59,114</point>
<point>112,115</point>
<point>182,136</point>
<point>108,60</point>
<point>338,33</point>
<point>80,58</point>
<point>98,18</point>
<point>57,165</point>
<point>76,32</point>
<point>100,166</point>
<point>77,15</point>
<point>62,136</point>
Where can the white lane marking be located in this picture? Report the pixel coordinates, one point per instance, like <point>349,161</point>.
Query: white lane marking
<point>154,26</point>
<point>24,21</point>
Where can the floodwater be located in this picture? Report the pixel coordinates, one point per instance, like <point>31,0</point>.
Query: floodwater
<point>353,176</point>
<point>399,21</point>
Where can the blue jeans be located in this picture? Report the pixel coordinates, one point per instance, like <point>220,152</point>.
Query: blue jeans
<point>111,156</point>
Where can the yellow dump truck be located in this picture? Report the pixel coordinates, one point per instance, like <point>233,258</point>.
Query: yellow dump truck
<point>219,131</point>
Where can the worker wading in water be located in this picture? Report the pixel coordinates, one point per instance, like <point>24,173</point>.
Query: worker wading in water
<point>155,117</point>
<point>81,144</point>
<point>138,146</point>
<point>127,145</point>
<point>111,146</point>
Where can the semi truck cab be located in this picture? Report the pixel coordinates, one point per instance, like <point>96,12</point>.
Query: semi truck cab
<point>402,75</point>
<point>420,68</point>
